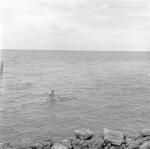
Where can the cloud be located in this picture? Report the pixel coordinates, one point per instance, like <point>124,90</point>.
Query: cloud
<point>75,24</point>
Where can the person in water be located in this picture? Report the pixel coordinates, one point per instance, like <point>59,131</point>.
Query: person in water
<point>52,96</point>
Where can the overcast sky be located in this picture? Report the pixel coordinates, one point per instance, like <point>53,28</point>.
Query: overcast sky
<point>76,24</point>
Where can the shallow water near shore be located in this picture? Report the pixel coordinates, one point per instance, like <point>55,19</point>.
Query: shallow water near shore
<point>96,90</point>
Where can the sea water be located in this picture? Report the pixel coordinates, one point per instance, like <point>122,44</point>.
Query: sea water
<point>96,90</point>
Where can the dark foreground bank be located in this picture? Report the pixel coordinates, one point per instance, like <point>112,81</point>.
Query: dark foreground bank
<point>86,139</point>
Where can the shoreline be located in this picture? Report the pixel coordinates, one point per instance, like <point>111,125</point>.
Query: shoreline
<point>86,139</point>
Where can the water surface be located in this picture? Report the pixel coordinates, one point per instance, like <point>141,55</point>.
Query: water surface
<point>98,89</point>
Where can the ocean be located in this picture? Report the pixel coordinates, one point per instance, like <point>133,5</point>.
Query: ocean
<point>96,90</point>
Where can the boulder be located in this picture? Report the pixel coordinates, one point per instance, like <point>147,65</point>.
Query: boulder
<point>130,142</point>
<point>93,143</point>
<point>112,147</point>
<point>1,145</point>
<point>115,137</point>
<point>83,134</point>
<point>145,145</point>
<point>7,146</point>
<point>145,132</point>
<point>67,142</point>
<point>59,146</point>
<point>76,143</point>
<point>123,146</point>
<point>135,144</point>
<point>97,142</point>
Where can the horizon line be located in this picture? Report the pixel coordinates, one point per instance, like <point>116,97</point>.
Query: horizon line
<point>75,50</point>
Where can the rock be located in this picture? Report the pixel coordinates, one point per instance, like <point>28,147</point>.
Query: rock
<point>7,146</point>
<point>41,144</point>
<point>93,143</point>
<point>123,146</point>
<point>133,136</point>
<point>112,147</point>
<point>1,145</point>
<point>136,144</point>
<point>83,134</point>
<point>115,137</point>
<point>97,142</point>
<point>67,142</point>
<point>108,146</point>
<point>76,143</point>
<point>82,144</point>
<point>145,132</point>
<point>23,147</point>
<point>59,146</point>
<point>130,141</point>
<point>145,145</point>
<point>147,138</point>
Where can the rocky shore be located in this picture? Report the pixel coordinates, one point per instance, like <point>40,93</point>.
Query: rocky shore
<point>86,139</point>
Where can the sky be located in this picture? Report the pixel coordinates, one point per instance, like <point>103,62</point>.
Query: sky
<point>98,25</point>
